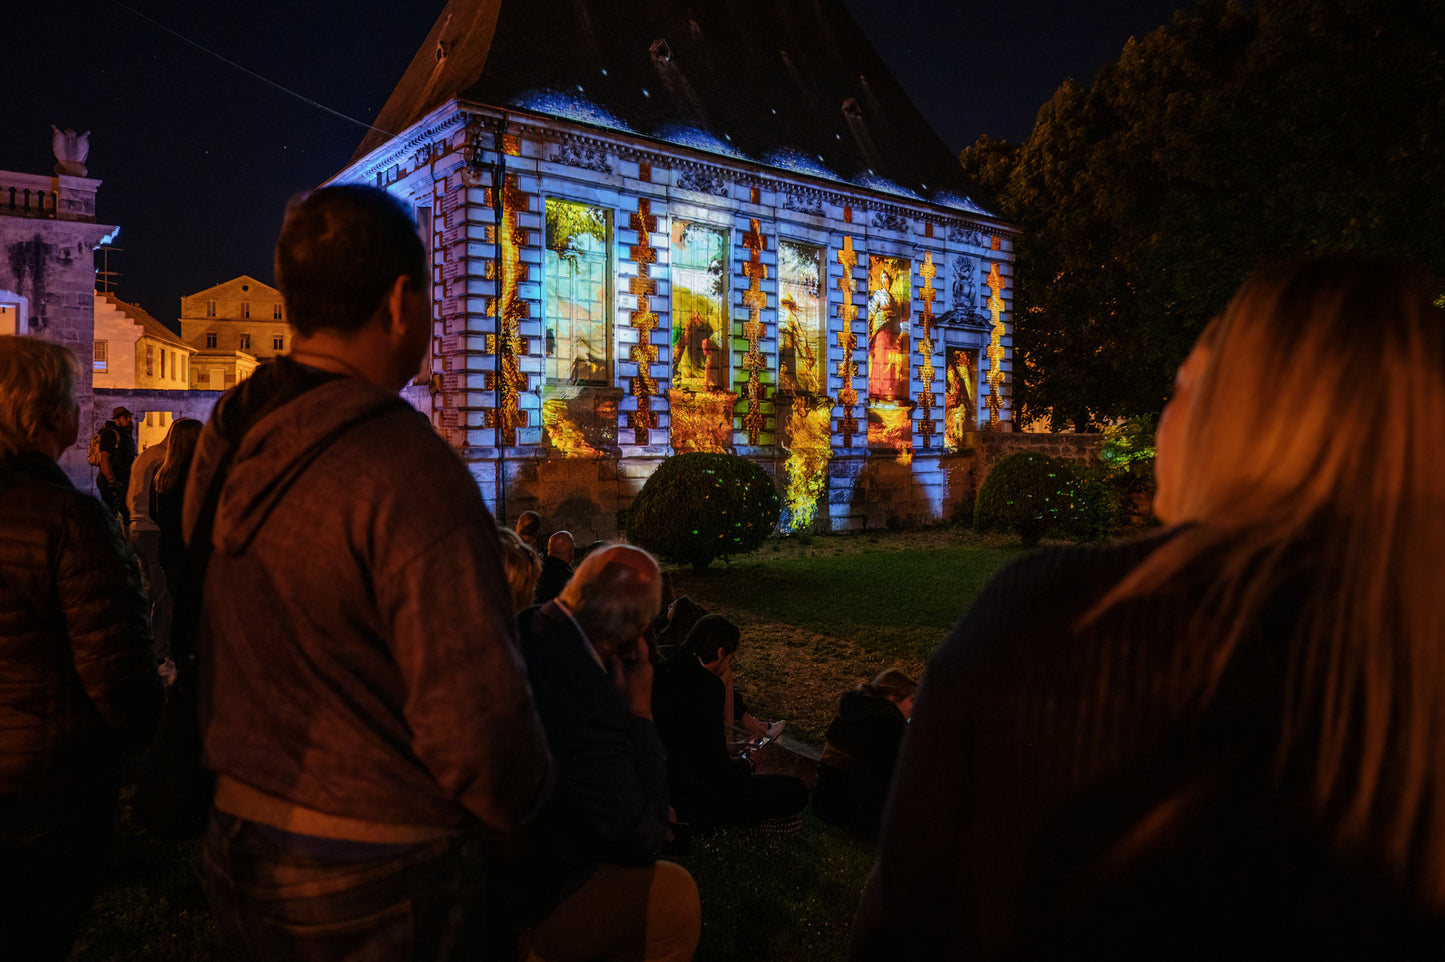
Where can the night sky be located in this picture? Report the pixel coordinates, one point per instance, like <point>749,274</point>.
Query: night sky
<point>198,157</point>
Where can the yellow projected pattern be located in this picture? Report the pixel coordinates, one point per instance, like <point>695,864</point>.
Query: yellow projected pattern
<point>926,398</point>
<point>810,447</point>
<point>514,311</point>
<point>848,341</point>
<point>644,352</point>
<point>890,424</point>
<point>995,344</point>
<point>701,420</point>
<point>755,300</point>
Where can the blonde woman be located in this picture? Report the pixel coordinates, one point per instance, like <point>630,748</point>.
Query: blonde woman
<point>523,567</point>
<point>1227,740</point>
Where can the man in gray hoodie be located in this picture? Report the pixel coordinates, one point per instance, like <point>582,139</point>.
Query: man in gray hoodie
<point>363,700</point>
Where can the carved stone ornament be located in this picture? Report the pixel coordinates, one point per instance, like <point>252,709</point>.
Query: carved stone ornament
<point>703,183</point>
<point>803,205</point>
<point>965,235</point>
<point>587,158</point>
<point>71,149</point>
<point>883,220</point>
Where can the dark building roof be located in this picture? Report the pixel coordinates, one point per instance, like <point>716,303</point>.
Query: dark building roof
<point>786,83</point>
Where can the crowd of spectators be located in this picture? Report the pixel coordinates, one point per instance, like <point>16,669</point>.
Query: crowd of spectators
<point>431,740</point>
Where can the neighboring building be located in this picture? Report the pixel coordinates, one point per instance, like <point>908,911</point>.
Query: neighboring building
<point>48,236</point>
<point>134,350</point>
<point>665,227</point>
<point>232,327</point>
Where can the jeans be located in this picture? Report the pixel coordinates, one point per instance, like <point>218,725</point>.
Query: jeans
<point>278,896</point>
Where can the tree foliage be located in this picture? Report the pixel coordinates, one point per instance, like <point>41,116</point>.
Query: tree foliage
<point>1232,137</point>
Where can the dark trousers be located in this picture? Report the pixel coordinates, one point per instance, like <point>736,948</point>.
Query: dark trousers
<point>113,496</point>
<point>48,875</point>
<point>277,896</point>
<point>744,801</point>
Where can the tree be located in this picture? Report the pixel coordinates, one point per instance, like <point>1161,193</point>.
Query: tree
<point>1232,137</point>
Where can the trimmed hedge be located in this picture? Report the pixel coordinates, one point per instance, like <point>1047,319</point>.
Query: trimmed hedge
<point>1033,495</point>
<point>700,506</point>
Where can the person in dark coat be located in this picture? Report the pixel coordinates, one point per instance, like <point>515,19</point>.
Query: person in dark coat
<point>860,750</point>
<point>709,786</point>
<point>79,683</point>
<point>556,567</point>
<point>117,452</point>
<point>599,890</point>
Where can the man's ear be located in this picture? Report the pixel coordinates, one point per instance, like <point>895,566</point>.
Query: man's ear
<point>396,304</point>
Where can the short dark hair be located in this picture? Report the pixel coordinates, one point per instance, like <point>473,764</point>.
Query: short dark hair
<point>709,634</point>
<point>340,251</point>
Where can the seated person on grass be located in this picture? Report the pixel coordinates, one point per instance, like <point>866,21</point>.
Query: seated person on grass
<point>860,751</point>
<point>596,885</point>
<point>709,786</point>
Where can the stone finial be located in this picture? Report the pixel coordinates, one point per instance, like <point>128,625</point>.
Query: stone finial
<point>71,149</point>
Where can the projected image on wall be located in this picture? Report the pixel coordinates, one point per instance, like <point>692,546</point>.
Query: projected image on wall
<point>700,348</point>
<point>576,316</point>
<point>960,399</point>
<point>576,278</point>
<point>802,324</point>
<point>889,300</point>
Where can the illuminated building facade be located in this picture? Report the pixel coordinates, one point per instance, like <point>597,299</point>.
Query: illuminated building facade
<point>656,230</point>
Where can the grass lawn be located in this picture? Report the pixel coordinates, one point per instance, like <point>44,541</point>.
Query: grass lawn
<point>818,614</point>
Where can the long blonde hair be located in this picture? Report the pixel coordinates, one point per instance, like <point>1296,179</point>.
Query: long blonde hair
<point>180,447</point>
<point>1314,434</point>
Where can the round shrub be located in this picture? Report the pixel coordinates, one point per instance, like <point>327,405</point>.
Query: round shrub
<point>700,506</point>
<point>1029,494</point>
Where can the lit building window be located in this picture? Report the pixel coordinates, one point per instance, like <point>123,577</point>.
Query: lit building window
<point>100,355</point>
<point>577,272</point>
<point>701,346</point>
<point>802,319</point>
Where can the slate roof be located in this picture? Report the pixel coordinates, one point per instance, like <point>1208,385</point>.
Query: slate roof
<point>793,84</point>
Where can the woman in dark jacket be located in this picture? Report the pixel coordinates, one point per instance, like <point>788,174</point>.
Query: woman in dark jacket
<point>861,750</point>
<point>76,675</point>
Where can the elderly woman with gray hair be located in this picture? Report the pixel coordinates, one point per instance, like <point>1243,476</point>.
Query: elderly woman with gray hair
<point>76,676</point>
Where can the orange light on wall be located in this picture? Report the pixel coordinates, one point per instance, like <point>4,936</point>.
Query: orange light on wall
<point>755,299</point>
<point>643,321</point>
<point>995,344</point>
<point>848,341</point>
<point>926,399</point>
<point>513,311</point>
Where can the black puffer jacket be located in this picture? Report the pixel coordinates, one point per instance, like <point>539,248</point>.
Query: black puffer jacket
<point>76,672</point>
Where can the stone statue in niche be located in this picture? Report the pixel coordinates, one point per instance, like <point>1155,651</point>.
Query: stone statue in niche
<point>70,149</point>
<point>964,299</point>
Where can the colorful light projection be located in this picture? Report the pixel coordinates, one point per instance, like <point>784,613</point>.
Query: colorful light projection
<point>809,441</point>
<point>701,404</point>
<point>576,298</point>
<point>848,342</point>
<point>926,293</point>
<point>699,326</point>
<point>890,410</point>
<point>508,417</point>
<point>995,283</point>
<point>643,321</point>
<point>754,299</point>
<point>801,322</point>
<point>890,298</point>
<point>960,399</point>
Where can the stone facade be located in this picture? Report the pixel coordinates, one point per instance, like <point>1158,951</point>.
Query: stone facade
<point>577,449</point>
<point>48,235</point>
<point>232,327</point>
